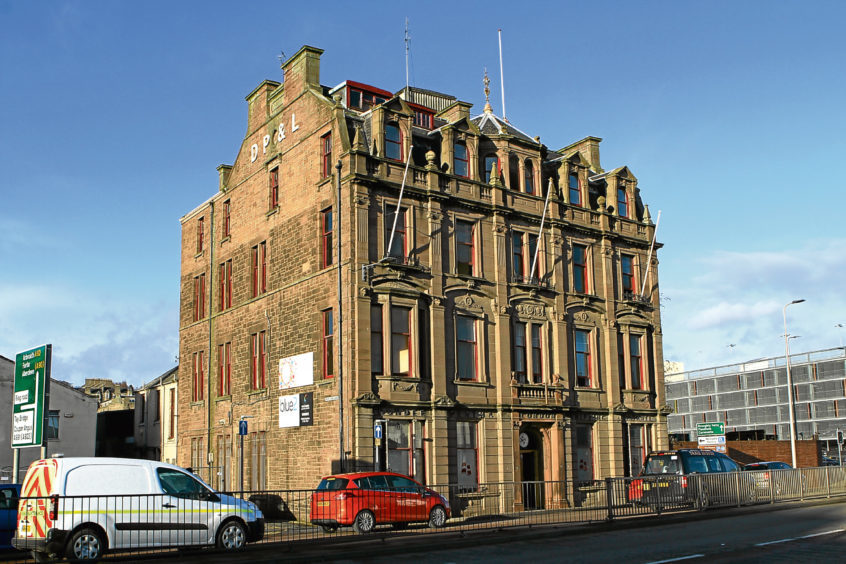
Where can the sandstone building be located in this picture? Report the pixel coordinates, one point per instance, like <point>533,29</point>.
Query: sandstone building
<point>475,365</point>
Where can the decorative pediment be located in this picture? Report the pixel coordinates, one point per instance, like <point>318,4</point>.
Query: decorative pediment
<point>397,105</point>
<point>635,317</point>
<point>576,158</point>
<point>624,173</point>
<point>463,125</point>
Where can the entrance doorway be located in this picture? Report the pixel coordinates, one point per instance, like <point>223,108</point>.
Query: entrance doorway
<point>531,467</point>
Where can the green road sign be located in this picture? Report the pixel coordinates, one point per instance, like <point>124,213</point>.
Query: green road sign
<point>710,429</point>
<point>29,407</point>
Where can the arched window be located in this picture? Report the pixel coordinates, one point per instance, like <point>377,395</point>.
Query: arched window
<point>393,142</point>
<point>530,177</point>
<point>622,200</point>
<point>460,165</point>
<point>491,161</point>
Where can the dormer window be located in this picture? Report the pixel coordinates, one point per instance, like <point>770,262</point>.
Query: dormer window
<point>422,118</point>
<point>622,200</point>
<point>363,100</point>
<point>393,142</point>
<point>575,191</point>
<point>461,164</point>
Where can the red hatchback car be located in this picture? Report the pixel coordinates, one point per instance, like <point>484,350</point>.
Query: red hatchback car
<point>367,499</point>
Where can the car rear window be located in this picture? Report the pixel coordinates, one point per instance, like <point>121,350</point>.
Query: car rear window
<point>663,464</point>
<point>333,484</point>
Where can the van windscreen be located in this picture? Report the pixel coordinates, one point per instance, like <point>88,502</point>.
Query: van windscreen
<point>663,464</point>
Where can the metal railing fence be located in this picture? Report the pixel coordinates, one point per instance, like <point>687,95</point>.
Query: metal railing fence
<point>146,524</point>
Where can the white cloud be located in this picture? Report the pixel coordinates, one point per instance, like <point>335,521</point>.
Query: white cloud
<point>731,310</point>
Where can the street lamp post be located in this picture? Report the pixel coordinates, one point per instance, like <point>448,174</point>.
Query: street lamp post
<point>790,411</point>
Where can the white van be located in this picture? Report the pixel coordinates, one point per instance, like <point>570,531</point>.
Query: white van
<point>82,507</point>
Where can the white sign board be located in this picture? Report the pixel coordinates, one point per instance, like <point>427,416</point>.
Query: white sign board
<point>296,371</point>
<point>289,411</point>
<point>715,440</point>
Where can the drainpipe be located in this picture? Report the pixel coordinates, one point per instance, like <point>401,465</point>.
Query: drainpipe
<point>342,458</point>
<point>211,327</point>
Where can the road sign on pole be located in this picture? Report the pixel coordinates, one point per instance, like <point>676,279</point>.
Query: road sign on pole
<point>710,429</point>
<point>31,399</point>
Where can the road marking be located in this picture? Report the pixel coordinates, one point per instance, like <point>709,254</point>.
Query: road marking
<point>688,557</point>
<point>799,538</point>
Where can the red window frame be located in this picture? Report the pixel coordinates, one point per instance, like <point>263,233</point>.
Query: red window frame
<point>377,359</point>
<point>227,218</point>
<point>635,362</point>
<point>258,361</point>
<point>225,285</point>
<point>627,273</point>
<point>224,369</point>
<point>537,353</point>
<point>575,189</point>
<point>401,337</point>
<point>518,351</point>
<point>328,341</point>
<point>583,368</point>
<point>326,154</point>
<point>200,297</point>
<point>200,234</point>
<point>467,445</point>
<point>399,233</point>
<point>466,347</point>
<point>273,195</point>
<point>622,202</point>
<point>461,164</point>
<point>258,269</point>
<point>465,241</point>
<point>517,259</point>
<point>422,118</point>
<point>529,177</point>
<point>198,377</point>
<point>326,237</point>
<point>580,270</point>
<point>393,146</point>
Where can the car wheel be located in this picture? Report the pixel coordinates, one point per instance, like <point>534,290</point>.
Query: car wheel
<point>86,545</point>
<point>329,528</point>
<point>437,517</point>
<point>231,536</point>
<point>703,500</point>
<point>364,522</point>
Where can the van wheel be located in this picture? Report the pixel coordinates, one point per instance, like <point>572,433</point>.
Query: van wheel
<point>86,545</point>
<point>364,522</point>
<point>231,536</point>
<point>437,517</point>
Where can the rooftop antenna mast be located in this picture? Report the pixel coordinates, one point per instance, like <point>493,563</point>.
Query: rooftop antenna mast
<point>407,93</point>
<point>501,76</point>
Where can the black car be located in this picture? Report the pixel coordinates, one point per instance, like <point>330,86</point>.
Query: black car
<point>685,476</point>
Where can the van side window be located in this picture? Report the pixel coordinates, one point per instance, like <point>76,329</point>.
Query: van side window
<point>729,465</point>
<point>8,499</point>
<point>696,464</point>
<point>714,464</point>
<point>179,484</point>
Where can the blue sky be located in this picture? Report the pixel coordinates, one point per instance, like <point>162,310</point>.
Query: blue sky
<point>115,115</point>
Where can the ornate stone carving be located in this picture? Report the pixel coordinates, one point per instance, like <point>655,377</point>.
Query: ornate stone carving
<point>444,401</point>
<point>368,397</point>
<point>581,316</point>
<point>404,386</point>
<point>435,215</point>
<point>362,200</point>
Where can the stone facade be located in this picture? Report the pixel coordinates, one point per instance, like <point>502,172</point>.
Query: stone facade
<point>476,371</point>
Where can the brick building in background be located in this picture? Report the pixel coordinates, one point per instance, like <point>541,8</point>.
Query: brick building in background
<point>478,368</point>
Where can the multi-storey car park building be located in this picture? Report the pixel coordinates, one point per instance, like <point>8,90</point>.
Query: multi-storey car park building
<point>440,334</point>
<point>752,399</point>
